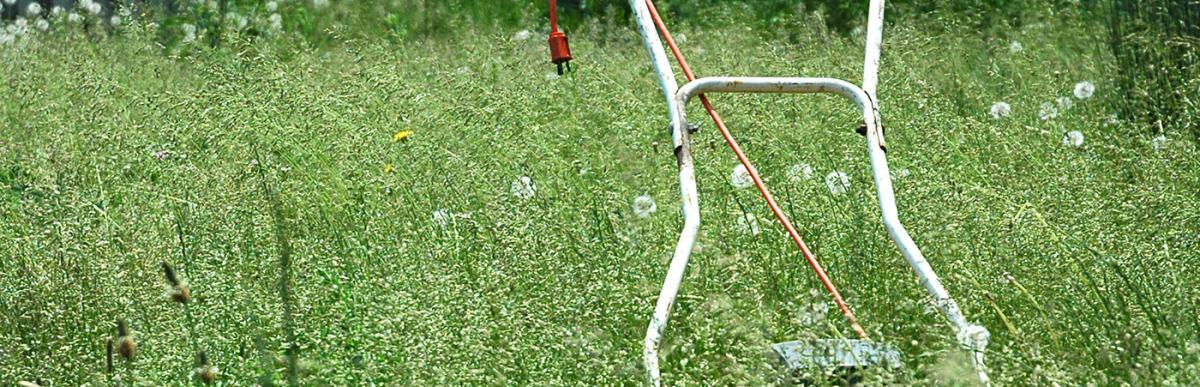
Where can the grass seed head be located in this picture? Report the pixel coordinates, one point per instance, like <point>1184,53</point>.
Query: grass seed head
<point>180,293</point>
<point>205,371</point>
<point>126,347</point>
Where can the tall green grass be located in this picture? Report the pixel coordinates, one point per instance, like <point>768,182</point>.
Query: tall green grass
<point>1079,260</point>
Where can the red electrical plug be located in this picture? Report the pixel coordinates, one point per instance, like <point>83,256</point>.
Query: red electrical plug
<point>560,51</point>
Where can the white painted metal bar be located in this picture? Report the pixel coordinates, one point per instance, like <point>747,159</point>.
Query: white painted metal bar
<point>687,190</point>
<point>873,47</point>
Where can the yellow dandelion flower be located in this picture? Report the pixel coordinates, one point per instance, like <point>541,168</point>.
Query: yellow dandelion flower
<point>388,168</point>
<point>401,135</point>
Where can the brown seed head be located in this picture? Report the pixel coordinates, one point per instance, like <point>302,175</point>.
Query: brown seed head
<point>180,293</point>
<point>207,374</point>
<point>126,347</point>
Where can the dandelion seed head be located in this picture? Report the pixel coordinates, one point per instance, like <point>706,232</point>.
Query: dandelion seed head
<point>115,21</point>
<point>189,32</point>
<point>523,188</point>
<point>442,217</point>
<point>740,178</point>
<point>6,38</point>
<point>1015,47</point>
<point>1073,138</point>
<point>272,6</point>
<point>42,25</point>
<point>1064,103</point>
<point>748,223</point>
<point>522,35</point>
<point>1000,110</point>
<point>33,9</point>
<point>1084,90</point>
<point>799,172</point>
<point>644,206</point>
<point>1047,111</point>
<point>276,21</point>
<point>74,17</point>
<point>837,182</point>
<point>1157,142</point>
<point>57,11</point>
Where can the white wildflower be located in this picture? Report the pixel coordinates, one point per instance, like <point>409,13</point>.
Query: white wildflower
<point>523,188</point>
<point>900,173</point>
<point>740,178</point>
<point>1073,138</point>
<point>1084,90</point>
<point>522,35</point>
<point>1015,47</point>
<point>1000,109</point>
<point>1064,103</point>
<point>1158,141</point>
<point>272,6</point>
<point>33,9</point>
<point>320,4</point>
<point>748,223</point>
<point>19,27</point>
<point>115,21</point>
<point>6,38</point>
<point>798,172</point>
<point>276,21</point>
<point>644,206</point>
<point>189,32</point>
<point>74,17</point>
<point>91,6</point>
<point>42,24</point>
<point>837,182</point>
<point>1048,111</point>
<point>442,217</point>
<point>57,11</point>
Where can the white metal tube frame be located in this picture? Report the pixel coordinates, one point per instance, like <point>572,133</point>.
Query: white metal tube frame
<point>867,102</point>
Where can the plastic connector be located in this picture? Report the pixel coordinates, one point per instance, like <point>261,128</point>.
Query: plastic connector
<point>560,51</point>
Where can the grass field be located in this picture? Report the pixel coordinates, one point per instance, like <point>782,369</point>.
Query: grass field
<point>415,262</point>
